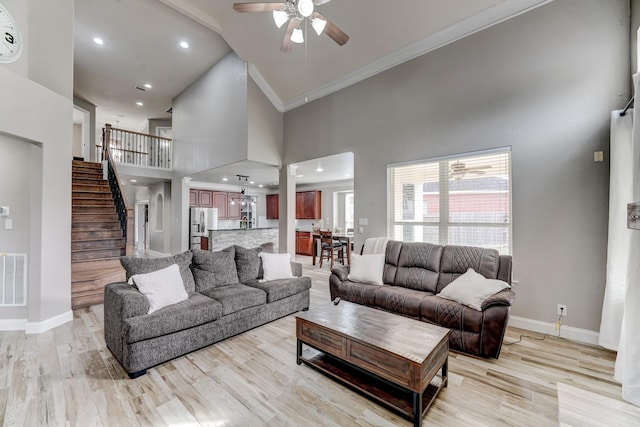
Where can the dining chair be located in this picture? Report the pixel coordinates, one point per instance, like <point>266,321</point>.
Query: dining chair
<point>331,249</point>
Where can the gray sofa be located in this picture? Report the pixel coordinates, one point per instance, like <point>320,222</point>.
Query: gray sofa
<point>225,299</point>
<point>415,273</point>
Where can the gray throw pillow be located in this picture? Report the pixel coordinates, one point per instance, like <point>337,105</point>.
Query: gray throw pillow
<point>134,266</point>
<point>214,269</point>
<point>248,262</point>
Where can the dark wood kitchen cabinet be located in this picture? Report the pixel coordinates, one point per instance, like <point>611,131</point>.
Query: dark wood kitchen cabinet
<point>304,243</point>
<point>272,206</point>
<point>309,205</point>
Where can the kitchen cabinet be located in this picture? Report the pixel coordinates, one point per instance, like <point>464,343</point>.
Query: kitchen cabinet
<point>304,243</point>
<point>200,198</point>
<point>309,205</point>
<point>234,206</point>
<point>219,201</point>
<point>272,206</point>
<point>205,199</point>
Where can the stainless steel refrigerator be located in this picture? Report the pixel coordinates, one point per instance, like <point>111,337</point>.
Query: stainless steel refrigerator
<point>201,220</point>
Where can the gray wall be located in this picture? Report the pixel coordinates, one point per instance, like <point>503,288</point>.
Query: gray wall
<point>210,118</point>
<point>40,115</point>
<point>543,83</point>
<point>265,128</point>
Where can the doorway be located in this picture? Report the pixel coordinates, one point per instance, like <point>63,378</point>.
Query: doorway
<point>142,226</point>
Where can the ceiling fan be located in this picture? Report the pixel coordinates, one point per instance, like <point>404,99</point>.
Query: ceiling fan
<point>296,11</point>
<point>459,170</point>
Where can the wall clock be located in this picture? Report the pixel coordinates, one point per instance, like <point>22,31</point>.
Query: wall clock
<point>10,39</point>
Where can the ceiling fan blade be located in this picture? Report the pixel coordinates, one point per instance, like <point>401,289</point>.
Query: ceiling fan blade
<point>259,7</point>
<point>320,2</point>
<point>334,32</point>
<point>286,42</point>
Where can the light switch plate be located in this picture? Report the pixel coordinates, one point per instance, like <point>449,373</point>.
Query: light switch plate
<point>598,156</point>
<point>8,224</point>
<point>363,221</point>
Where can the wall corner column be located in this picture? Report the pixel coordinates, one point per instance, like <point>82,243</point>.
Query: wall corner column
<point>287,210</point>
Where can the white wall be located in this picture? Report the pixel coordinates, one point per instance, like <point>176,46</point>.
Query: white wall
<point>543,83</point>
<point>40,115</point>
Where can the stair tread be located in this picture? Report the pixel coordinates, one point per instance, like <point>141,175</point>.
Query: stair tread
<point>81,276</point>
<point>97,239</point>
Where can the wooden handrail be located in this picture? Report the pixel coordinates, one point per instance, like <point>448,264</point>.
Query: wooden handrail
<point>139,133</point>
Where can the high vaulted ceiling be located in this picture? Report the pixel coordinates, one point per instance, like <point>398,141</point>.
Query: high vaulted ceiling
<point>141,45</point>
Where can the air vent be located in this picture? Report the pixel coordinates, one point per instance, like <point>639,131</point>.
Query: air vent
<point>141,88</point>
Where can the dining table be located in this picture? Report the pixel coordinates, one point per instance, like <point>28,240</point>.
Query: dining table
<point>346,238</point>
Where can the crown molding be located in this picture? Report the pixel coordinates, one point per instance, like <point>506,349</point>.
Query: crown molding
<point>194,13</point>
<point>487,18</point>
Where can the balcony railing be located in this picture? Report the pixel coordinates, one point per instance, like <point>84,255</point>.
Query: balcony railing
<point>135,148</point>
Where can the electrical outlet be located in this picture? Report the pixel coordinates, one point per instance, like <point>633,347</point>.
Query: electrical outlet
<point>562,310</point>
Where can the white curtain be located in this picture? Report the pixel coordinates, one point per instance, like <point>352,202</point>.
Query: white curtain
<point>623,280</point>
<point>619,245</point>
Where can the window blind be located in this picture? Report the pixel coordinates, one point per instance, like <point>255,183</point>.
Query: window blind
<point>458,200</point>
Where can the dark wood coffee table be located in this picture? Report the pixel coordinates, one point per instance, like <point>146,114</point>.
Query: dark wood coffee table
<point>391,359</point>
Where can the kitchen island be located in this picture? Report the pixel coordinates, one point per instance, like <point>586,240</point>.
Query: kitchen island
<point>248,238</point>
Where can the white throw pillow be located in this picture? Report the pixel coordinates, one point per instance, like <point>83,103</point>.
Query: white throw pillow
<point>162,287</point>
<point>276,266</point>
<point>367,268</point>
<point>472,288</point>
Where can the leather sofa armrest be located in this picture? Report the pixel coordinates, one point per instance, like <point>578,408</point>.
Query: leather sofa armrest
<point>338,275</point>
<point>506,297</point>
<point>296,268</point>
<point>342,272</point>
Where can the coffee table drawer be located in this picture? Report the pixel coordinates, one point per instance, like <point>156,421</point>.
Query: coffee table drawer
<point>322,339</point>
<point>381,363</point>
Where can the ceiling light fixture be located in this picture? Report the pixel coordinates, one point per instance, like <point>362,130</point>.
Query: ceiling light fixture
<point>139,104</point>
<point>98,40</point>
<point>305,7</point>
<point>184,45</point>
<point>148,86</point>
<point>134,180</point>
<point>319,169</point>
<point>297,36</point>
<point>243,183</point>
<point>296,12</point>
<point>225,179</point>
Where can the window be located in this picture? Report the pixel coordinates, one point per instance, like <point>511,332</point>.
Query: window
<point>458,200</point>
<point>349,221</point>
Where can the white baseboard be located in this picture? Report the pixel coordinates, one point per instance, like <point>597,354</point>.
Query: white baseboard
<point>13,324</point>
<point>568,332</point>
<point>45,325</point>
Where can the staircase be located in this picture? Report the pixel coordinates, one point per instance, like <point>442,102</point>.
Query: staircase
<point>96,236</point>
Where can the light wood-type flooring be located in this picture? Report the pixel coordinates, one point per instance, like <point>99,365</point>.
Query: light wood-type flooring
<point>68,377</point>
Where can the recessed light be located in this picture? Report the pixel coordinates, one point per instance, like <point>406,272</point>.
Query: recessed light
<point>134,180</point>
<point>348,175</point>
<point>139,104</point>
<point>184,45</point>
<point>98,41</point>
<point>148,86</point>
<point>260,185</point>
<point>225,179</point>
<point>299,176</point>
<point>252,182</point>
<point>319,169</point>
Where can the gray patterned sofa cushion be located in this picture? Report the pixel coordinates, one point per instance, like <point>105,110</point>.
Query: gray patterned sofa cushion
<point>213,269</point>
<point>196,310</point>
<point>418,266</point>
<point>280,289</point>
<point>236,297</point>
<point>248,262</point>
<point>134,266</point>
<point>457,259</point>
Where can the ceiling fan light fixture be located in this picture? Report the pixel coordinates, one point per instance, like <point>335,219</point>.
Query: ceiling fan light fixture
<point>305,7</point>
<point>280,17</point>
<point>318,25</point>
<point>297,36</point>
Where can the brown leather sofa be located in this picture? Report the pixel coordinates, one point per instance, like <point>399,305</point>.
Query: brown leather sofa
<point>414,274</point>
